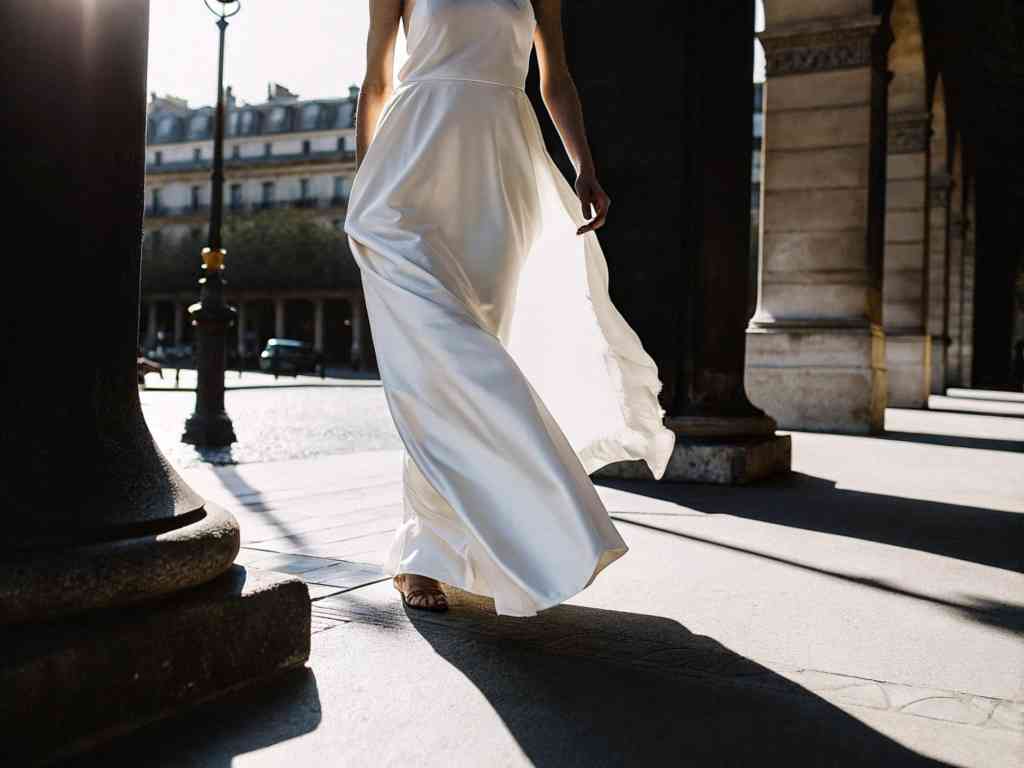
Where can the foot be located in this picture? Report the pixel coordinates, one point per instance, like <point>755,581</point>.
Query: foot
<point>421,592</point>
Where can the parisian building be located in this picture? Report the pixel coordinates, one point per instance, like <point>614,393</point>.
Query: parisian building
<point>284,153</point>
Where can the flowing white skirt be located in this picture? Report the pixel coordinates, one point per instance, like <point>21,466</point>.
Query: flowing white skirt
<point>509,373</point>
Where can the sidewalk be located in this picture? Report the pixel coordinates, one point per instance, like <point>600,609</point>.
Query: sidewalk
<point>184,379</point>
<point>868,610</point>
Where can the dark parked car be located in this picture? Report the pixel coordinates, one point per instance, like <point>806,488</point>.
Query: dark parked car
<point>290,356</point>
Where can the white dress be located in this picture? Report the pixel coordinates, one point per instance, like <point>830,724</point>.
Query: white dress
<point>508,372</point>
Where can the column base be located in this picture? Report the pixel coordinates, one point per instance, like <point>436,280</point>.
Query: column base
<point>70,685</point>
<point>908,362</point>
<point>939,347</point>
<point>819,379</point>
<point>734,461</point>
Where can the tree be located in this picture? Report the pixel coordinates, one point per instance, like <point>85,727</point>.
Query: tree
<point>278,249</point>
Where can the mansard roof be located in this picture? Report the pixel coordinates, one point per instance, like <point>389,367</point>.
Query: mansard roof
<point>170,126</point>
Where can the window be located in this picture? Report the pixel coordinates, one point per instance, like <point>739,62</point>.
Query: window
<point>167,127</point>
<point>341,143</point>
<point>310,117</point>
<point>158,158</point>
<point>303,189</point>
<point>268,194</point>
<point>236,196</point>
<point>267,149</point>
<point>279,119</point>
<point>236,152</point>
<point>195,198</point>
<point>197,155</point>
<point>157,206</point>
<point>198,126</point>
<point>155,240</point>
<point>305,147</point>
<point>249,122</point>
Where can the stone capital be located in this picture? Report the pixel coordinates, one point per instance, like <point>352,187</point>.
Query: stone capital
<point>909,132</point>
<point>803,48</point>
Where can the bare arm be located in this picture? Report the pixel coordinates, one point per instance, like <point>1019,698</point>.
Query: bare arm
<point>380,64</point>
<point>563,104</point>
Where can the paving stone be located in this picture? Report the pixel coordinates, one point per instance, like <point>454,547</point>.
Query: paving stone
<point>949,708</point>
<point>1010,715</point>
<point>288,563</point>
<point>320,591</point>
<point>346,574</point>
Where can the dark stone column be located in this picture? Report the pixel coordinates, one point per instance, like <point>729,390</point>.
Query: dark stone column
<point>671,135</point>
<point>93,515</point>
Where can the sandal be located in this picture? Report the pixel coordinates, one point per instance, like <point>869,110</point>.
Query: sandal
<point>424,599</point>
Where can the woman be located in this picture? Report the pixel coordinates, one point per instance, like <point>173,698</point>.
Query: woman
<point>509,374</point>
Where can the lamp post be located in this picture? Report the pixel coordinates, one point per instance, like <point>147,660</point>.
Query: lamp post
<point>210,424</point>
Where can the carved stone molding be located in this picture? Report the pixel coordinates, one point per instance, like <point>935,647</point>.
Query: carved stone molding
<point>818,48</point>
<point>909,132</point>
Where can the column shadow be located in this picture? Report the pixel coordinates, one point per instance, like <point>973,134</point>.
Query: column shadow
<point>974,534</point>
<point>955,441</point>
<point>579,686</point>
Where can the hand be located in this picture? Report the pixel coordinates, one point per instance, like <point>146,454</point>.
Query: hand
<point>590,194</point>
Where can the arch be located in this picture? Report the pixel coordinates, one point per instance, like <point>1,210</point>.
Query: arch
<point>906,222</point>
<point>908,90</point>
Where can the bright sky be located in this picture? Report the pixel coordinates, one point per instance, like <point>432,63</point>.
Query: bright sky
<point>314,47</point>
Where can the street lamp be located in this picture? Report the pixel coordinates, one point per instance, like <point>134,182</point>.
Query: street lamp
<point>210,424</point>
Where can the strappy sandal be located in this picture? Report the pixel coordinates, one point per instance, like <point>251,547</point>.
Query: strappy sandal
<point>437,600</point>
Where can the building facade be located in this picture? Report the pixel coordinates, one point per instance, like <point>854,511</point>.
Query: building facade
<point>284,153</point>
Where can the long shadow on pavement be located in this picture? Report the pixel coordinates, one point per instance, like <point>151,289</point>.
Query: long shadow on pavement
<point>955,441</point>
<point>985,536</point>
<point>580,686</point>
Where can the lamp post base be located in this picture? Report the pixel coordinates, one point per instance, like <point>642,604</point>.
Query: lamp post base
<point>209,430</point>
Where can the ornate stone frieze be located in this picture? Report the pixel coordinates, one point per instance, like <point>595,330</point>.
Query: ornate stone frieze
<point>818,49</point>
<point>909,132</point>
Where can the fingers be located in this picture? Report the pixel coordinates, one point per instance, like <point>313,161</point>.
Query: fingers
<point>585,204</point>
<point>601,205</point>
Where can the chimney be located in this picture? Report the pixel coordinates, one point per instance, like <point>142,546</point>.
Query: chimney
<point>277,92</point>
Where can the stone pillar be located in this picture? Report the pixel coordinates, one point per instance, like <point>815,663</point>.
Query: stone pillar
<point>937,289</point>
<point>907,346</point>
<point>151,321</point>
<point>358,305</point>
<point>242,322</point>
<point>119,603</point>
<point>179,322</point>
<point>721,436</point>
<point>318,325</point>
<point>967,289</point>
<point>816,349</point>
<point>955,277</point>
<point>279,318</point>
